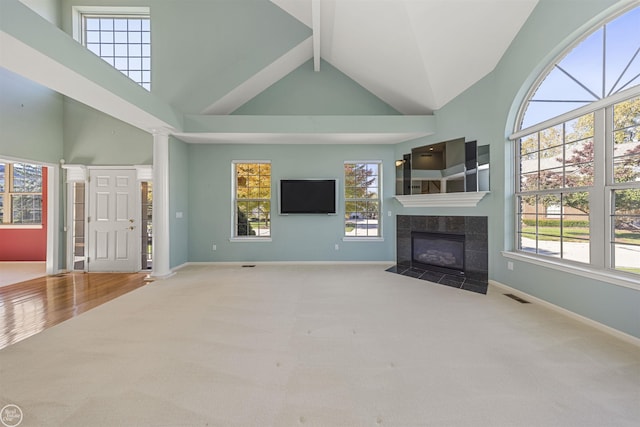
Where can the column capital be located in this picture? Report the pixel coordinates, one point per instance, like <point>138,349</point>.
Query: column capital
<point>161,131</point>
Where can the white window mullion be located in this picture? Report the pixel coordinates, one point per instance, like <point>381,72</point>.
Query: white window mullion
<point>597,197</point>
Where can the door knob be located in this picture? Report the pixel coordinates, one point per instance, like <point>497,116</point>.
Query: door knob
<point>131,220</point>
<point>132,227</point>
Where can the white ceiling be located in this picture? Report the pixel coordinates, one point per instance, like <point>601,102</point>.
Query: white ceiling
<point>416,55</point>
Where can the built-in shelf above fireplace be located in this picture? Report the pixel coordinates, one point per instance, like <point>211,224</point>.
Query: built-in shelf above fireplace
<point>442,200</point>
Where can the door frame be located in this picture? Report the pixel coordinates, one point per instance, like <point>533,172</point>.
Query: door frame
<point>81,173</point>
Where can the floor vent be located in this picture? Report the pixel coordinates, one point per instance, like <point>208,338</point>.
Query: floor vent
<point>248,265</point>
<point>517,298</point>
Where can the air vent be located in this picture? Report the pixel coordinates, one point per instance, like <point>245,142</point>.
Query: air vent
<point>517,298</point>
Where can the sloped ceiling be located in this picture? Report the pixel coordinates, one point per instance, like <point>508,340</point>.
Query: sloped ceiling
<point>416,55</point>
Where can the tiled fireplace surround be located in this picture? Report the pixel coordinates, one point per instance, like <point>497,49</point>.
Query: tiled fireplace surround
<point>474,229</point>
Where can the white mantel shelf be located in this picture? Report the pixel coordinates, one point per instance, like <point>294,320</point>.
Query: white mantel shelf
<point>442,200</point>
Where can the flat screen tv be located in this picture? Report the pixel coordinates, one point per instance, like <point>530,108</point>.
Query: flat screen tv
<point>308,196</point>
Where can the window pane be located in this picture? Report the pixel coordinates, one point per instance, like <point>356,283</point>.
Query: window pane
<point>260,218</point>
<point>529,144</point>
<point>529,181</point>
<point>626,244</point>
<point>575,227</point>
<point>552,178</point>
<point>120,37</point>
<point>579,175</point>
<point>93,37</point>
<point>27,178</point>
<point>26,209</point>
<point>243,226</point>
<point>120,25</point>
<point>626,230</point>
<point>2,174</point>
<point>92,24</point>
<point>529,162</point>
<point>580,128</point>
<point>551,137</point>
<point>106,37</point>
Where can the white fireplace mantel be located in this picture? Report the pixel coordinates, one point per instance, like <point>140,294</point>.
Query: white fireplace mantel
<point>442,200</point>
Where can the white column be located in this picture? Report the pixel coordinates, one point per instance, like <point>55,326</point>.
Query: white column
<point>161,260</point>
<point>53,220</point>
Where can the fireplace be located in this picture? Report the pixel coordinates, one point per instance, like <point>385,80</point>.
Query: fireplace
<point>448,250</point>
<point>443,252</point>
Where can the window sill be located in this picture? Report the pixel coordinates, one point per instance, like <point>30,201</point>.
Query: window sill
<point>608,276</point>
<point>21,227</point>
<point>362,239</point>
<point>250,239</point>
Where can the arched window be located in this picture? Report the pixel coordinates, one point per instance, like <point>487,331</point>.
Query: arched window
<point>578,154</point>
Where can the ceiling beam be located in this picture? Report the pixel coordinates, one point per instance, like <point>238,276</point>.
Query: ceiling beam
<point>315,26</point>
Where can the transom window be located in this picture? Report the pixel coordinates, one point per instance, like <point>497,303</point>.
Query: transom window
<point>252,199</point>
<point>605,63</point>
<point>122,39</point>
<point>578,169</point>
<point>362,199</point>
<point>20,193</point>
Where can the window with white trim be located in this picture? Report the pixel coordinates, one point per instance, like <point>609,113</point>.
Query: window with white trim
<point>578,169</point>
<point>20,193</point>
<point>362,199</point>
<point>251,199</point>
<point>120,36</point>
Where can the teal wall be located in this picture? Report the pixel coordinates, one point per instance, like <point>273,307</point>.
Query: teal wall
<point>214,46</point>
<point>94,138</point>
<point>487,112</point>
<point>179,202</point>
<point>30,120</point>
<point>48,9</point>
<point>294,237</point>
<point>309,92</point>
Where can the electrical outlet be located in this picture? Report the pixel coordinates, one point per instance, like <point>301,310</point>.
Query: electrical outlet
<point>337,247</point>
<point>509,265</point>
<point>214,247</point>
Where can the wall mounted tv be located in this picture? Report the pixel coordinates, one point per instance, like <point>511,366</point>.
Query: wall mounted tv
<point>308,196</point>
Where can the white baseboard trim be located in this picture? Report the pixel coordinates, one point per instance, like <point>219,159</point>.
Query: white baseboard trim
<point>240,263</point>
<point>590,322</point>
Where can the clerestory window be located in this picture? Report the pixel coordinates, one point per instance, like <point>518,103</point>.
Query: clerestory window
<point>578,154</point>
<point>120,36</point>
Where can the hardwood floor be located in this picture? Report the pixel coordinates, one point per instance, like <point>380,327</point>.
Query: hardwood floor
<point>30,307</point>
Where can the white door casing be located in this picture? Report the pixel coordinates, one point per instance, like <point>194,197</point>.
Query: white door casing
<point>114,218</point>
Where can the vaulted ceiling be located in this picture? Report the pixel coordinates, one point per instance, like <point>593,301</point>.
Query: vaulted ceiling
<point>416,55</point>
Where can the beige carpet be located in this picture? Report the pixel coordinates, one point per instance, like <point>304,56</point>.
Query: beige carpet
<point>12,272</point>
<point>347,345</point>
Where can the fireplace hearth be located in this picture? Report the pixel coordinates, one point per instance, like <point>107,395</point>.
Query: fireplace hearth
<point>448,250</point>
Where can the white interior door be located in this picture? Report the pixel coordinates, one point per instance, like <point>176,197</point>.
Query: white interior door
<point>113,221</point>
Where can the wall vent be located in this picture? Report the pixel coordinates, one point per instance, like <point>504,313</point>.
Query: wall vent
<point>517,298</point>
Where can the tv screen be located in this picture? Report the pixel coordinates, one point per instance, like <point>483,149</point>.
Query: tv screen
<point>308,196</point>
